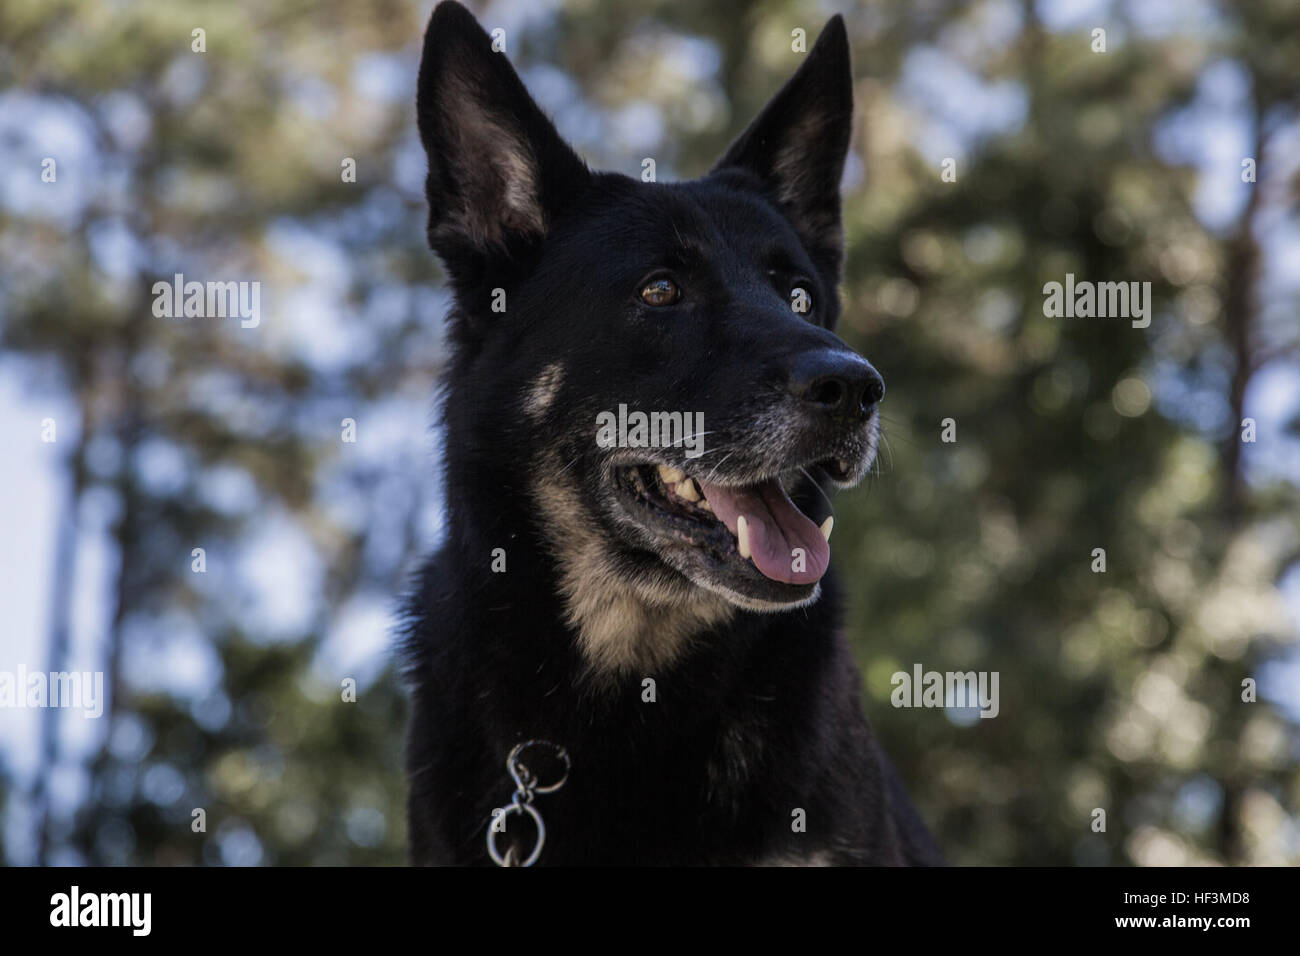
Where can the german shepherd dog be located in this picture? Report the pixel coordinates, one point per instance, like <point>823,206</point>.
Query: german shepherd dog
<point>658,619</point>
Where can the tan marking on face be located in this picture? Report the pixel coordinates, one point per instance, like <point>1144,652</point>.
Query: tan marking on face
<point>625,623</point>
<point>541,394</point>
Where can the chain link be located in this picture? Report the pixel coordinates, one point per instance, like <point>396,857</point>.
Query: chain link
<point>521,802</point>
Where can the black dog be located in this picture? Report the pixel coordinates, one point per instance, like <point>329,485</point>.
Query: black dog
<point>653,598</point>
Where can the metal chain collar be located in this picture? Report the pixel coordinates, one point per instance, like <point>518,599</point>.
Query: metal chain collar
<point>521,802</point>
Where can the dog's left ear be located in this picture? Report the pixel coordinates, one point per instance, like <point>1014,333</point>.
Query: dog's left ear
<point>796,146</point>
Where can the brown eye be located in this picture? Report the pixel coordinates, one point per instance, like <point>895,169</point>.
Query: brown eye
<point>660,291</point>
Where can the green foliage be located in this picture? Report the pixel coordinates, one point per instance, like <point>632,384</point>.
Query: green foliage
<point>1119,691</point>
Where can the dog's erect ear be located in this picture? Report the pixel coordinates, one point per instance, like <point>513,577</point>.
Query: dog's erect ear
<point>497,166</point>
<point>797,145</point>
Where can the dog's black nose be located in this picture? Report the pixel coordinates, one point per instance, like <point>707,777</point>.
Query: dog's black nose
<point>841,383</point>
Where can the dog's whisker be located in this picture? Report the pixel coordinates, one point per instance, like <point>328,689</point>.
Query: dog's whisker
<point>714,451</point>
<point>888,449</point>
<point>713,474</point>
<point>818,487</point>
<point>897,426</point>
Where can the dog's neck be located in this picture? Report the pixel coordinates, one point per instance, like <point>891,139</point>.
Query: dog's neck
<point>622,629</point>
<point>623,623</point>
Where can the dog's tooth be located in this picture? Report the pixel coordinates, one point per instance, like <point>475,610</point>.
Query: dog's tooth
<point>671,476</point>
<point>842,465</point>
<point>826,527</point>
<point>742,536</point>
<point>688,490</point>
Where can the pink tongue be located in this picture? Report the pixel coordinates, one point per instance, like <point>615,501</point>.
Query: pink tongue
<point>776,529</point>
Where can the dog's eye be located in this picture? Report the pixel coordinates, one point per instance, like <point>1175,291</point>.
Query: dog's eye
<point>801,300</point>
<point>660,291</point>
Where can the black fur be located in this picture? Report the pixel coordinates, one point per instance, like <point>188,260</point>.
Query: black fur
<point>757,716</point>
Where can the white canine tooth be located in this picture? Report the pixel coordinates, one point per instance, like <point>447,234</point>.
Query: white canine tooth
<point>671,475</point>
<point>742,536</point>
<point>843,466</point>
<point>687,490</point>
<point>826,527</point>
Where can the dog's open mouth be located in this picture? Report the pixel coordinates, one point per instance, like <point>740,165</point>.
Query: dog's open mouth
<point>750,530</point>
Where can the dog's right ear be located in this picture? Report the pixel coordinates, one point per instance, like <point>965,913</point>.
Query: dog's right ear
<point>498,169</point>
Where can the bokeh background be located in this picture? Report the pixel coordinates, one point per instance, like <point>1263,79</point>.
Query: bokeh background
<point>1120,691</point>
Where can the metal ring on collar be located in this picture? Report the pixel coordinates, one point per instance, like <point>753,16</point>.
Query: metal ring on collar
<point>524,778</point>
<point>519,808</point>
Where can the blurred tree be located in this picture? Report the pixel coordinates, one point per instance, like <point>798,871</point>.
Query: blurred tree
<point>222,164</point>
<point>1119,691</point>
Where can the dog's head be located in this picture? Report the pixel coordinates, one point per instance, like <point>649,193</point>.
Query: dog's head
<point>660,356</point>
